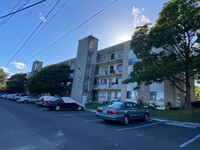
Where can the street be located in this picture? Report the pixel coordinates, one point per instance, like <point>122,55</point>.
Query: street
<point>28,127</point>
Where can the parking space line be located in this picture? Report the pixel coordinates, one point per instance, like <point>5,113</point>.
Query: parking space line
<point>85,121</point>
<point>122,129</point>
<point>190,141</point>
<point>79,115</point>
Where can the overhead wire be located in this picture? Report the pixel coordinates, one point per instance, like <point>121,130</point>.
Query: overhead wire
<point>5,20</point>
<point>13,8</point>
<point>32,34</point>
<point>15,47</point>
<point>50,19</point>
<point>22,9</point>
<point>80,25</point>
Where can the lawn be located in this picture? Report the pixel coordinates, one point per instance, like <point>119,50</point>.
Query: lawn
<point>180,115</point>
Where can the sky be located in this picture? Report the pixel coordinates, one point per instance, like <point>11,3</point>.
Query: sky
<point>32,34</point>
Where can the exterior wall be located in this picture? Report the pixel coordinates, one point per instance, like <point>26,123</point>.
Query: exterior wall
<point>84,69</point>
<point>98,76</point>
<point>36,67</point>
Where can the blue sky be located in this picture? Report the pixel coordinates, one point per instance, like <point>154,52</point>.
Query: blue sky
<point>114,25</point>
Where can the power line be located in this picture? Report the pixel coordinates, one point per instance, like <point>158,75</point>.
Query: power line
<point>22,9</point>
<point>32,34</point>
<point>14,7</point>
<point>59,39</point>
<point>13,14</point>
<point>28,29</point>
<point>51,19</point>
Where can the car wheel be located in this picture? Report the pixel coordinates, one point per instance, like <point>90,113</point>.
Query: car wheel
<point>25,102</point>
<point>146,117</point>
<point>125,120</point>
<point>57,108</point>
<point>79,108</point>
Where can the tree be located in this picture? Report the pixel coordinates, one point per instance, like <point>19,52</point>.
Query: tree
<point>3,78</point>
<point>16,83</point>
<point>176,34</point>
<point>51,79</point>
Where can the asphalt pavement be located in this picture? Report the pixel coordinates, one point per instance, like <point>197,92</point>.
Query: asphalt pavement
<point>28,127</point>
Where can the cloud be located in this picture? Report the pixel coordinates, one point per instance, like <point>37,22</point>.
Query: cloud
<point>19,65</point>
<point>42,17</point>
<point>139,18</point>
<point>7,70</point>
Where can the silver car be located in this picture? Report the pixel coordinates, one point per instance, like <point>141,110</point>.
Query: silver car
<point>122,111</point>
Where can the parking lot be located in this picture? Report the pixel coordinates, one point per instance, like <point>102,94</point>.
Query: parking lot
<point>28,127</point>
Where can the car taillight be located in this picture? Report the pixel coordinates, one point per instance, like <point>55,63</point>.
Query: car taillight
<point>114,112</point>
<point>38,100</point>
<point>48,103</point>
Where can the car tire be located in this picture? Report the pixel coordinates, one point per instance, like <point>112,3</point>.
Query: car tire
<point>25,102</point>
<point>79,108</point>
<point>57,108</point>
<point>125,120</point>
<point>146,117</point>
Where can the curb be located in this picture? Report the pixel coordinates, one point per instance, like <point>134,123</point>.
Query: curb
<point>178,123</point>
<point>170,122</point>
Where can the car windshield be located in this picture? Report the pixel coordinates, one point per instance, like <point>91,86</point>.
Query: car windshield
<point>54,99</point>
<point>116,105</point>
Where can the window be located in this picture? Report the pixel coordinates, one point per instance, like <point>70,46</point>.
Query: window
<point>153,96</point>
<point>119,68</point>
<point>132,61</point>
<point>104,70</point>
<point>128,94</point>
<point>103,81</point>
<point>112,56</point>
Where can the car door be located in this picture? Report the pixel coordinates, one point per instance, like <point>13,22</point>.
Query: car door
<point>131,110</point>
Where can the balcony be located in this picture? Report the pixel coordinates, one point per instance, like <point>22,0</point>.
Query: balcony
<point>109,73</point>
<point>107,87</point>
<point>109,61</point>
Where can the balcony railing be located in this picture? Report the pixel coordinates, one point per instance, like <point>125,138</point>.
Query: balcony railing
<point>109,86</point>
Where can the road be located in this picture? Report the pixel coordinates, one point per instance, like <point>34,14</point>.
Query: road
<point>28,127</point>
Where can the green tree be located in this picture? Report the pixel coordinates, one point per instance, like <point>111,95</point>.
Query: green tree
<point>3,78</point>
<point>176,34</point>
<point>51,79</point>
<point>16,83</point>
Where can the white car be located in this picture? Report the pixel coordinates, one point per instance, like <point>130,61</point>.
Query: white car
<point>42,99</point>
<point>28,99</point>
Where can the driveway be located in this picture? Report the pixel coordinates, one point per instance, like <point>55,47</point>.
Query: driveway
<point>28,127</point>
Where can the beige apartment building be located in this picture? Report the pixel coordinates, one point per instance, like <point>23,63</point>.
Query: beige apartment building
<point>98,76</point>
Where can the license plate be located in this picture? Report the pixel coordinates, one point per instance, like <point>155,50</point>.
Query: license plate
<point>104,111</point>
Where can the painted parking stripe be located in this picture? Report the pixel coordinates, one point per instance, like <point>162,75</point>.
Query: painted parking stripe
<point>190,141</point>
<point>122,129</point>
<point>85,121</point>
<point>79,115</point>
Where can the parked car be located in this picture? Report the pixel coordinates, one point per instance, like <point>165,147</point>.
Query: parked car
<point>63,103</point>
<point>17,96</point>
<point>28,99</point>
<point>42,99</point>
<point>122,111</point>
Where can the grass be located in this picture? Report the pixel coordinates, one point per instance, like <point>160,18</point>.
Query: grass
<point>93,105</point>
<point>179,115</point>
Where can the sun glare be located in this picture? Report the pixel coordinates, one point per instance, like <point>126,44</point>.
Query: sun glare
<point>123,38</point>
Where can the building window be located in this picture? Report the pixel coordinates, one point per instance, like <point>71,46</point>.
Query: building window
<point>119,68</point>
<point>157,96</point>
<point>103,81</point>
<point>132,61</point>
<point>112,56</point>
<point>128,94</point>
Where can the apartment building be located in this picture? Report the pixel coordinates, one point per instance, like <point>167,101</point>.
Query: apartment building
<point>98,76</point>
